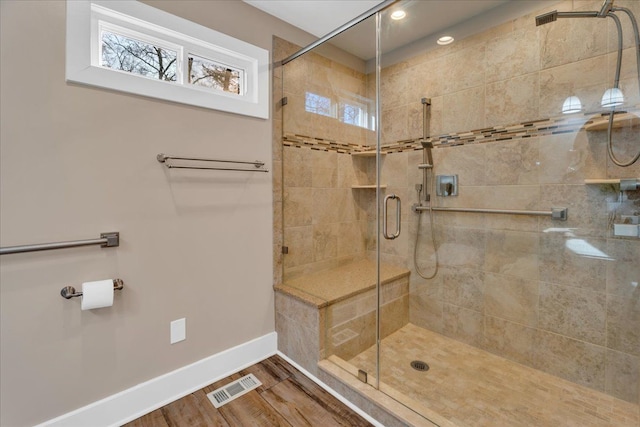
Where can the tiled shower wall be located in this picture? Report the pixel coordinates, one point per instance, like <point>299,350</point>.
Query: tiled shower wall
<point>557,296</point>
<point>325,219</point>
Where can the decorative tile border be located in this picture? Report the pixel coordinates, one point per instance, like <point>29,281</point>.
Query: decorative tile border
<point>529,129</point>
<point>302,141</point>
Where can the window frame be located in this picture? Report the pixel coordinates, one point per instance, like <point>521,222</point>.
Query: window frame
<point>86,18</point>
<point>337,104</point>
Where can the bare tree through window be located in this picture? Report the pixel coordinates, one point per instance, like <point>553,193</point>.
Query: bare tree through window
<point>137,57</point>
<point>207,73</point>
<point>318,104</point>
<point>351,114</point>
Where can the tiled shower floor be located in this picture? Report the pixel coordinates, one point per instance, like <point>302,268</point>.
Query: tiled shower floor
<point>474,388</point>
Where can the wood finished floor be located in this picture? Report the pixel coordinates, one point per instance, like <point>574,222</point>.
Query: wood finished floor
<point>285,398</point>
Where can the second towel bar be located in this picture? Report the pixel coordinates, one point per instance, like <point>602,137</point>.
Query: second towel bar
<point>164,158</point>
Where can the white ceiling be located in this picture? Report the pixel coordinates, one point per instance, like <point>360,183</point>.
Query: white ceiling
<point>318,17</point>
<point>426,21</point>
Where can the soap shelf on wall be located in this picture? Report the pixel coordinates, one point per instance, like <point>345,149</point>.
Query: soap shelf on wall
<point>619,120</point>
<point>624,183</point>
<point>367,154</point>
<point>372,186</point>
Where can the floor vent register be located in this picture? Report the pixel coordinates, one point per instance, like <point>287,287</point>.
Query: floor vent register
<point>233,390</point>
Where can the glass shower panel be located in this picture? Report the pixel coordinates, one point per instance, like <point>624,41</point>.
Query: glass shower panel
<point>329,190</point>
<point>428,225</point>
<point>405,170</point>
<point>510,116</point>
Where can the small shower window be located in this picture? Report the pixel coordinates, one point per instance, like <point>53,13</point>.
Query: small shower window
<point>318,104</point>
<point>351,114</point>
<point>355,113</point>
<point>349,109</point>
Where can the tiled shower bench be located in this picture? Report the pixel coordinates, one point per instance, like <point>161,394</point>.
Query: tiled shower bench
<point>333,312</point>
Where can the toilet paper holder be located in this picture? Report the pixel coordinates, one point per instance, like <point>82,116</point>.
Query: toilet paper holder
<point>69,292</point>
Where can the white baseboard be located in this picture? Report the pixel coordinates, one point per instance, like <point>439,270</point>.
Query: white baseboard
<point>143,398</point>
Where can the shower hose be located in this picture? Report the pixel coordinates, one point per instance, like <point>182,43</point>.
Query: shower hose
<point>615,18</point>
<point>433,238</point>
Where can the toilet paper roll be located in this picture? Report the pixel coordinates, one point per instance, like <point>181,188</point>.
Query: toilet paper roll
<point>97,294</point>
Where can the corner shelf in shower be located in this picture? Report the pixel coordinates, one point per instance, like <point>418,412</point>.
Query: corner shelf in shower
<point>619,120</point>
<point>628,182</point>
<point>368,186</point>
<point>369,153</point>
<point>366,154</point>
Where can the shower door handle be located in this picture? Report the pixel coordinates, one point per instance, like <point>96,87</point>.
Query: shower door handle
<point>384,217</point>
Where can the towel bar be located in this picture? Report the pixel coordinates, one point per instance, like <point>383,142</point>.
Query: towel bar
<point>164,158</point>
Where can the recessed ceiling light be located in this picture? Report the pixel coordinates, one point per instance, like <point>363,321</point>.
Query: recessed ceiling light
<point>445,40</point>
<point>398,14</point>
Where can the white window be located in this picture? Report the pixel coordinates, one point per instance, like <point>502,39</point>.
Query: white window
<point>208,73</point>
<point>318,104</point>
<point>130,53</point>
<point>132,47</point>
<point>356,110</point>
<point>351,109</point>
<point>354,113</point>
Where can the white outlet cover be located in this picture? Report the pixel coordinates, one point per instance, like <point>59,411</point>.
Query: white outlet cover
<point>178,330</point>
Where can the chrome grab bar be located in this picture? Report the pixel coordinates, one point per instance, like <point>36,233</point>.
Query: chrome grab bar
<point>164,158</point>
<point>106,240</point>
<point>560,214</point>
<point>398,216</point>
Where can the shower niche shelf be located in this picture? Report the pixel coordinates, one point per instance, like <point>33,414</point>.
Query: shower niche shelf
<point>366,154</point>
<point>368,186</point>
<point>619,120</point>
<point>625,183</point>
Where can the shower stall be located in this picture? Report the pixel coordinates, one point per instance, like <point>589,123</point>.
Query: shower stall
<point>457,199</point>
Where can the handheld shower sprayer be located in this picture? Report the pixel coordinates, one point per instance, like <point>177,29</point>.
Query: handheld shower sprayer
<point>608,10</point>
<point>427,171</point>
<point>546,18</point>
<point>427,145</point>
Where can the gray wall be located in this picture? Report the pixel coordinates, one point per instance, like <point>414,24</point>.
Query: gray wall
<point>76,161</point>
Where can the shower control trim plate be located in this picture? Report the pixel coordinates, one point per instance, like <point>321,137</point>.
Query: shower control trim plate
<point>446,185</point>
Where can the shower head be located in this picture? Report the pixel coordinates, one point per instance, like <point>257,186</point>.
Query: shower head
<point>546,18</point>
<point>427,158</point>
<point>553,16</point>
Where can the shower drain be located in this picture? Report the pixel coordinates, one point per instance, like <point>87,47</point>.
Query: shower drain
<point>419,365</point>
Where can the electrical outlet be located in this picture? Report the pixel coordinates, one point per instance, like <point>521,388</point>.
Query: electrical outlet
<point>178,330</point>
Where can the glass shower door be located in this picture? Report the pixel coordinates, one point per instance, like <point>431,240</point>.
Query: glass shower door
<point>329,193</point>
